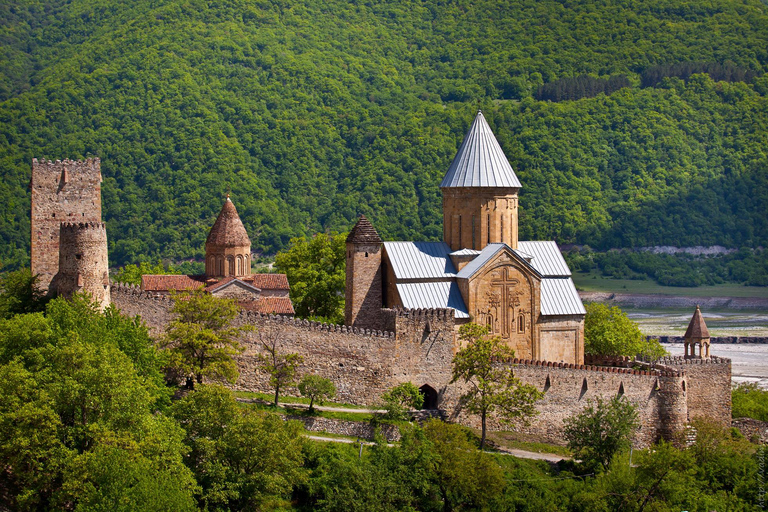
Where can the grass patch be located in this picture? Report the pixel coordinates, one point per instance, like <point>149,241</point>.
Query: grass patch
<point>300,411</point>
<point>594,282</point>
<point>268,397</point>
<point>518,441</point>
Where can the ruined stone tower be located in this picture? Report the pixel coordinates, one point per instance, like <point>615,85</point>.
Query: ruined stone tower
<point>697,334</point>
<point>228,248</point>
<point>62,191</point>
<point>364,297</point>
<point>83,263</point>
<point>480,193</point>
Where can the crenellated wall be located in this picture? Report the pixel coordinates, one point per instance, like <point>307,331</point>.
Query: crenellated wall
<point>419,347</point>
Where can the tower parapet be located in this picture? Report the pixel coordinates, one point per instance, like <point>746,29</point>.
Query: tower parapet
<point>83,263</point>
<point>62,191</point>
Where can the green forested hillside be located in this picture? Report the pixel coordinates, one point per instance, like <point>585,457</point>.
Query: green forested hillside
<point>315,112</point>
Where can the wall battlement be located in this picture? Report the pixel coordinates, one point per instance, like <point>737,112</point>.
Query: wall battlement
<point>364,363</point>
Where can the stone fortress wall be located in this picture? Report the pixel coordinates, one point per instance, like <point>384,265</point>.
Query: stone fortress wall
<point>418,346</point>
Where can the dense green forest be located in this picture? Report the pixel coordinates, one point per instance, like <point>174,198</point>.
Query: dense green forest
<point>315,112</point>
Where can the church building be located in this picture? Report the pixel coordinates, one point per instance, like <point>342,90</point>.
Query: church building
<point>521,290</point>
<point>228,271</point>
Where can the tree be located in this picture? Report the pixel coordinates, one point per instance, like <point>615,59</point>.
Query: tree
<point>401,398</point>
<point>20,293</point>
<point>601,429</point>
<point>609,331</point>
<point>280,367</point>
<point>243,459</point>
<point>317,388</point>
<point>200,340</point>
<point>492,385</point>
<point>466,479</point>
<point>316,272</point>
<point>131,274</point>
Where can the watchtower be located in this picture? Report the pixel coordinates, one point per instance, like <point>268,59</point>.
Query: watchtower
<point>364,297</point>
<point>62,191</point>
<point>83,264</point>
<point>480,193</point>
<point>697,334</point>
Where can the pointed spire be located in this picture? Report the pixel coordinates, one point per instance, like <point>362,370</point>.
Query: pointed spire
<point>363,232</point>
<point>480,161</point>
<point>697,328</point>
<point>228,230</point>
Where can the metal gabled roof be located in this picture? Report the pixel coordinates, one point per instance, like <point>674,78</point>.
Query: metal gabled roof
<point>488,253</point>
<point>443,294</point>
<point>547,258</point>
<point>465,252</point>
<point>559,297</point>
<point>480,161</point>
<point>420,260</point>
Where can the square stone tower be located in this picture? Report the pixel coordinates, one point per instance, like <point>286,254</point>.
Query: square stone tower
<point>62,191</point>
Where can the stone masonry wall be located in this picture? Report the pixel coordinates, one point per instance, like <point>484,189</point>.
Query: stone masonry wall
<point>708,387</point>
<point>83,261</point>
<point>364,294</point>
<point>364,363</point>
<point>567,388</point>
<point>62,191</point>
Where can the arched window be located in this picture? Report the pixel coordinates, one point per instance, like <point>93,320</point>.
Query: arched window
<point>231,265</point>
<point>239,266</point>
<point>221,266</point>
<point>521,323</point>
<point>489,322</point>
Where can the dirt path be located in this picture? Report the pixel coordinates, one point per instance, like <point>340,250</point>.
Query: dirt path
<point>522,454</point>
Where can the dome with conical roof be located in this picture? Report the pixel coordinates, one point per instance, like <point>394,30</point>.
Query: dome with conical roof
<point>228,248</point>
<point>480,161</point>
<point>228,230</point>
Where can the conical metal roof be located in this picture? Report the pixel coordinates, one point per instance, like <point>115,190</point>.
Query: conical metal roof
<point>363,232</point>
<point>228,230</point>
<point>697,328</point>
<point>480,161</point>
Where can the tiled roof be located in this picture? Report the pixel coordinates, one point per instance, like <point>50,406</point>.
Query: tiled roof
<point>228,230</point>
<point>480,161</point>
<point>268,281</point>
<point>228,281</point>
<point>269,305</point>
<point>420,260</point>
<point>697,328</point>
<point>444,294</point>
<point>156,283</point>
<point>363,232</point>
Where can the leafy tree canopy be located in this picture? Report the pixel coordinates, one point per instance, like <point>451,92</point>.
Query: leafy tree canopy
<point>316,272</point>
<point>608,331</point>
<point>491,386</point>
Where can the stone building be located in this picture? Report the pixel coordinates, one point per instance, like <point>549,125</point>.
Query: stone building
<point>68,239</point>
<point>521,290</point>
<point>228,271</point>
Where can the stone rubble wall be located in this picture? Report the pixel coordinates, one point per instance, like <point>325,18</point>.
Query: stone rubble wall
<point>364,363</point>
<point>361,429</point>
<point>754,430</point>
<point>641,300</point>
<point>715,339</point>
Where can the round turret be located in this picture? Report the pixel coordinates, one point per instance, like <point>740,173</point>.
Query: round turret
<point>83,261</point>
<point>228,248</point>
